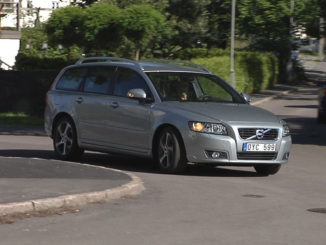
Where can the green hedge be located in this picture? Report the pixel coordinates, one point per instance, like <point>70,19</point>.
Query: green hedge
<point>254,71</point>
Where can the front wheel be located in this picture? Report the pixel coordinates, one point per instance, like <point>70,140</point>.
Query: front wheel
<point>65,140</point>
<point>170,155</point>
<point>267,169</point>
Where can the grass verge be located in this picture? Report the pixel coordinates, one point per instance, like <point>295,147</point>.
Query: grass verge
<point>10,118</point>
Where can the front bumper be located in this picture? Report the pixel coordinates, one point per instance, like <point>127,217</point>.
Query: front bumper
<point>199,145</point>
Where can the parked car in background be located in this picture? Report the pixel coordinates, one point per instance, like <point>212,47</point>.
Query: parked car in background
<point>174,112</point>
<point>321,117</point>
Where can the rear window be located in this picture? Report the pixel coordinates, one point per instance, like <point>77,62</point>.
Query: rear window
<point>71,80</point>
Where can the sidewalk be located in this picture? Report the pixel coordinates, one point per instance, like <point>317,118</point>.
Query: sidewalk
<point>30,185</point>
<point>263,96</point>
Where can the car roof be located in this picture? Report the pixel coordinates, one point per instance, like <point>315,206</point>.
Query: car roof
<point>146,65</point>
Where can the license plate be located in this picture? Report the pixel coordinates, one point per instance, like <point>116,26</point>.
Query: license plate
<point>258,147</point>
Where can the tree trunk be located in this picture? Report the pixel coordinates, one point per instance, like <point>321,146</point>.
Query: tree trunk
<point>137,54</point>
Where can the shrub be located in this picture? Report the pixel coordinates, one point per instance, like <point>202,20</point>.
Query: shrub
<point>254,71</point>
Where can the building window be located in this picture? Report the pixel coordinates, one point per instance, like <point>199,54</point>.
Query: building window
<point>55,4</point>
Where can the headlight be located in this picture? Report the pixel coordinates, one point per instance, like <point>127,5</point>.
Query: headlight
<point>286,130</point>
<point>210,128</point>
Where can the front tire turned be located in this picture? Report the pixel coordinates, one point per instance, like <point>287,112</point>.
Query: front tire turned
<point>170,155</point>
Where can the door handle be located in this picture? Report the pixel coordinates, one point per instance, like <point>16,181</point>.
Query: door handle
<point>114,104</point>
<point>79,100</point>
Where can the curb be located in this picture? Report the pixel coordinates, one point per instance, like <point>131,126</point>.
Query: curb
<point>133,188</point>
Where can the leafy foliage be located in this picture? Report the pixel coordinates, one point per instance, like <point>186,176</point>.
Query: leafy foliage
<point>102,27</point>
<point>142,23</point>
<point>66,26</point>
<point>248,80</point>
<point>182,29</point>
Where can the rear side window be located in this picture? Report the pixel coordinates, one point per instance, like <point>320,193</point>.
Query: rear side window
<point>129,79</point>
<point>98,79</point>
<point>71,80</point>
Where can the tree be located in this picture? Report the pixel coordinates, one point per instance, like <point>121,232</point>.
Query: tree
<point>219,23</point>
<point>157,4</point>
<point>142,24</point>
<point>267,24</point>
<point>267,19</point>
<point>322,6</point>
<point>306,14</point>
<point>103,28</point>
<point>190,22</point>
<point>65,26</point>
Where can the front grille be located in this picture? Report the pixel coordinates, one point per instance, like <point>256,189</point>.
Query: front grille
<point>246,133</point>
<point>256,156</point>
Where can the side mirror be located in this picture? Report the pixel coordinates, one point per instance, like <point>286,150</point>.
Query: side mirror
<point>246,97</point>
<point>137,93</point>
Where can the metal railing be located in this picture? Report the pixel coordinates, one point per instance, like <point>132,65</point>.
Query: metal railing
<point>9,67</point>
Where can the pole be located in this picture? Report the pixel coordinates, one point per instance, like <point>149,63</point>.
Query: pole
<point>232,71</point>
<point>291,20</point>
<point>321,39</point>
<point>18,16</point>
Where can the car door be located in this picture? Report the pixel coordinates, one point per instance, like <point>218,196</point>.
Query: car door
<point>129,119</point>
<point>92,106</point>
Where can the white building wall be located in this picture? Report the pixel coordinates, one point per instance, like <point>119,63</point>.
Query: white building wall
<point>29,12</point>
<point>8,50</point>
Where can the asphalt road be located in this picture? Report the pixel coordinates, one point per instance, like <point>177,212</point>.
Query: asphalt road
<point>203,206</point>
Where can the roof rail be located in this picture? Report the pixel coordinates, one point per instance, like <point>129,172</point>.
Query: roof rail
<point>106,59</point>
<point>179,62</point>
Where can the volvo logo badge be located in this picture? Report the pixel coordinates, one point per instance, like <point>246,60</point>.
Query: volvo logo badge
<point>260,134</point>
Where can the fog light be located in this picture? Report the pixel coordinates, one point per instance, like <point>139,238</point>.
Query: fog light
<point>217,154</point>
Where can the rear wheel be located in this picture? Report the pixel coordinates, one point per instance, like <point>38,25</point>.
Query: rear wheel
<point>170,155</point>
<point>267,169</point>
<point>65,140</point>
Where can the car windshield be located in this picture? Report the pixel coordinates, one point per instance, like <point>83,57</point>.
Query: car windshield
<point>193,87</point>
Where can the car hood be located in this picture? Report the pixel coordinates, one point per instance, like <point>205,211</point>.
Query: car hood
<point>227,112</point>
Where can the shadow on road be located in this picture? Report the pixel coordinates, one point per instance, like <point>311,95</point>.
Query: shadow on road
<point>306,131</point>
<point>132,164</point>
<point>315,71</point>
<point>302,106</point>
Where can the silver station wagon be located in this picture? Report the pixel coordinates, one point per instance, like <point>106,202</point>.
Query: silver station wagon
<point>174,112</point>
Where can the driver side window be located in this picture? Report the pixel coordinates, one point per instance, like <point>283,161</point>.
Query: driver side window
<point>127,80</point>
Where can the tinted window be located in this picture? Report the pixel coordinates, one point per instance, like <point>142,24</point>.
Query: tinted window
<point>129,79</point>
<point>98,79</point>
<point>174,86</point>
<point>71,79</point>
<point>214,89</point>
<point>193,87</point>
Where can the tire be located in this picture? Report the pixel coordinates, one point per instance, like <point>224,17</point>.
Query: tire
<point>65,140</point>
<point>170,155</point>
<point>266,170</point>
